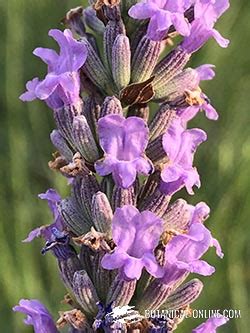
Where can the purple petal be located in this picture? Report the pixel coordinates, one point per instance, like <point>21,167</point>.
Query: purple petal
<point>191,139</point>
<point>172,139</point>
<point>123,142</point>
<point>53,199</point>
<point>33,234</point>
<point>124,174</point>
<point>135,235</point>
<point>217,246</point>
<point>171,187</point>
<point>191,178</point>
<point>197,266</point>
<point>210,111</point>
<point>123,229</point>
<point>223,42</point>
<point>47,86</point>
<point>180,23</point>
<point>211,325</point>
<point>123,138</point>
<point>50,57</point>
<point>73,54</point>
<point>111,134</point>
<point>143,10</point>
<point>205,72</point>
<point>144,166</point>
<point>189,247</point>
<point>152,266</point>
<point>30,94</point>
<point>37,315</point>
<point>148,228</point>
<point>114,260</point>
<point>105,166</point>
<point>133,268</point>
<point>210,11</point>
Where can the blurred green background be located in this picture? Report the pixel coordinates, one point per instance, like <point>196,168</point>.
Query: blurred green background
<point>25,150</point>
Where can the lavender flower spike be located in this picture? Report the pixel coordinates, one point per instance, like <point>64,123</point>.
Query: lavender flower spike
<point>211,325</point>
<point>123,142</point>
<point>162,14</point>
<point>136,235</point>
<point>37,315</point>
<point>206,13</point>
<point>180,146</point>
<point>117,243</point>
<point>61,85</point>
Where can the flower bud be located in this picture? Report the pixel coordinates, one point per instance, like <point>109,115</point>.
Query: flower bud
<point>61,145</point>
<point>92,21</point>
<point>102,213</point>
<point>92,112</point>
<point>121,292</point>
<point>95,70</point>
<point>122,197</point>
<point>111,105</point>
<point>112,30</point>
<point>121,61</point>
<point>88,186</point>
<point>102,278</point>
<point>84,140</point>
<point>85,292</point>
<point>188,79</point>
<point>156,152</point>
<point>157,203</point>
<point>67,268</point>
<point>144,59</point>
<point>154,296</point>
<point>73,218</point>
<point>170,66</point>
<point>184,295</point>
<point>64,119</point>
<point>161,121</point>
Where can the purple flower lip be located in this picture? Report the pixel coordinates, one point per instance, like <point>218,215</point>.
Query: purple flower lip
<point>206,13</point>
<point>55,230</point>
<point>123,142</point>
<point>162,14</point>
<point>180,146</point>
<point>37,315</point>
<point>205,72</point>
<point>211,325</point>
<point>136,235</point>
<point>183,251</point>
<point>62,83</point>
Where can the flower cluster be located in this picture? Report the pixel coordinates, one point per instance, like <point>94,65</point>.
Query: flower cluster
<point>119,239</point>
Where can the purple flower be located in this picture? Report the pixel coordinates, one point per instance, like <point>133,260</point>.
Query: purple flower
<point>205,72</point>
<point>211,325</point>
<point>123,142</point>
<point>162,14</point>
<point>37,315</point>
<point>55,229</point>
<point>62,83</point>
<point>136,235</point>
<point>180,146</point>
<point>183,253</point>
<point>206,13</point>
